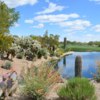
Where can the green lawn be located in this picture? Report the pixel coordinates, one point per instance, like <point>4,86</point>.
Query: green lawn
<point>81,48</point>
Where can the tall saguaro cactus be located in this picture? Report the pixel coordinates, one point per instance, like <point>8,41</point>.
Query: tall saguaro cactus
<point>65,41</point>
<point>78,66</point>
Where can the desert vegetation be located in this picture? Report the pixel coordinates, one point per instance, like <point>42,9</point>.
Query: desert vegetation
<point>38,80</point>
<point>77,89</point>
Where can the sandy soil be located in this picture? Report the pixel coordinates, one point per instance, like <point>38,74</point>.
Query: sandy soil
<point>18,64</point>
<point>97,89</point>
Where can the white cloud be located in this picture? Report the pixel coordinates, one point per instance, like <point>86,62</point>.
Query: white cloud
<point>55,18</point>
<point>75,25</point>
<point>16,25</point>
<point>51,8</point>
<point>97,1</point>
<point>16,3</point>
<point>29,21</point>
<point>39,26</point>
<point>96,28</point>
<point>63,21</point>
<point>78,22</point>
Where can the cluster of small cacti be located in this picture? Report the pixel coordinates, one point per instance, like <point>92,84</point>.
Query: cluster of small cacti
<point>28,48</point>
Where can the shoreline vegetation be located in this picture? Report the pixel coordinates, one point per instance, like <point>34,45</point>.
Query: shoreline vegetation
<point>66,54</point>
<point>84,48</point>
<point>81,48</point>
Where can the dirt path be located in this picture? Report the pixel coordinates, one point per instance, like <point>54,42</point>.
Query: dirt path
<point>18,64</point>
<point>97,90</point>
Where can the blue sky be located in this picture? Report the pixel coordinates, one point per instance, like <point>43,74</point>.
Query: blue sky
<point>78,20</point>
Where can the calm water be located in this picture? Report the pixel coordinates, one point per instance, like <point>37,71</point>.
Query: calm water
<point>89,63</point>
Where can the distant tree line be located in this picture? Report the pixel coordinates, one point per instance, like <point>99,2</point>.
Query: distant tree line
<point>91,43</point>
<point>97,43</point>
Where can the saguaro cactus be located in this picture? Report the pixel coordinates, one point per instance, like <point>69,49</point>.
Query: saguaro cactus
<point>78,66</point>
<point>65,41</point>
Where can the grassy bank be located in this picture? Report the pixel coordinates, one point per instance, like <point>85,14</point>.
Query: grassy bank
<point>82,48</point>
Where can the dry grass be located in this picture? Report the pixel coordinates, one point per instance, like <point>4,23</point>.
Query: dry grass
<point>39,80</point>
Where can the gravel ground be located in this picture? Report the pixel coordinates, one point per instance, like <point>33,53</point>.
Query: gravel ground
<point>97,90</point>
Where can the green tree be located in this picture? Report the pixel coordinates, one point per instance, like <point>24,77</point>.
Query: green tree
<point>53,41</point>
<point>8,16</point>
<point>50,41</point>
<point>90,43</point>
<point>5,42</point>
<point>97,43</point>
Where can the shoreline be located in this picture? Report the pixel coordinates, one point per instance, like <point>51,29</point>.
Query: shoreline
<point>64,54</point>
<point>67,53</point>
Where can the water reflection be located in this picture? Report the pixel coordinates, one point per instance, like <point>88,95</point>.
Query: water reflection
<point>64,61</point>
<point>89,65</point>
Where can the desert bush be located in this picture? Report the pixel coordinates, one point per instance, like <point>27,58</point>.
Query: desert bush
<point>42,52</point>
<point>30,47</point>
<point>39,55</point>
<point>77,89</point>
<point>45,57</point>
<point>7,65</point>
<point>19,55</point>
<point>29,54</point>
<point>52,53</point>
<point>39,80</point>
<point>59,52</point>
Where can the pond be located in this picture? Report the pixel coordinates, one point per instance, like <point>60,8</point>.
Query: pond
<point>66,65</point>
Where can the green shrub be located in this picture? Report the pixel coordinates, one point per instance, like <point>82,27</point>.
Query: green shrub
<point>77,89</point>
<point>39,55</point>
<point>29,55</point>
<point>59,52</point>
<point>52,53</point>
<point>7,65</point>
<point>45,57</point>
<point>31,48</point>
<point>19,55</point>
<point>42,52</point>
